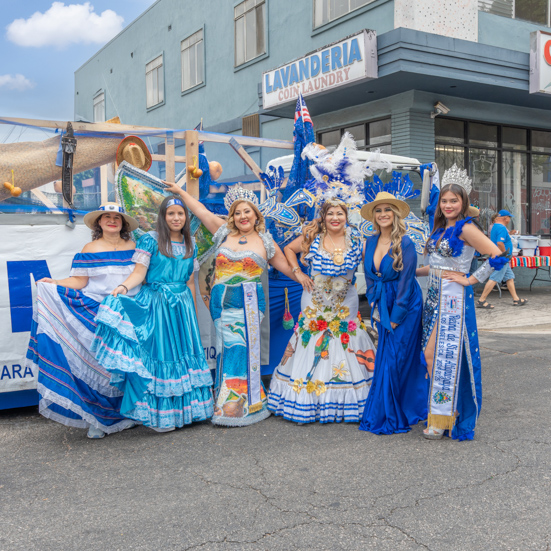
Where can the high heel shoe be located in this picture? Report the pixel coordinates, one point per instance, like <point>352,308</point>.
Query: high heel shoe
<point>430,433</point>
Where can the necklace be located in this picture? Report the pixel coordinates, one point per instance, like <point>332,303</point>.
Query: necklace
<point>115,247</point>
<point>243,238</point>
<point>338,254</point>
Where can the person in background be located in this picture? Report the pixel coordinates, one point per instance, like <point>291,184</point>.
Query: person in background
<point>500,236</point>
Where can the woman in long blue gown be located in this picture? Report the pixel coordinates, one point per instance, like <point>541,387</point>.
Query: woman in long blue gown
<point>398,395</point>
<point>151,343</point>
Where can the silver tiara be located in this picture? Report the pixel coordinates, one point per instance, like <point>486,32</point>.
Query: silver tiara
<point>457,176</point>
<point>239,193</point>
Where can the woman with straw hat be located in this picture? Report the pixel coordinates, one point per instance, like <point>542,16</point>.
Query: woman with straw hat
<point>398,394</point>
<point>74,389</point>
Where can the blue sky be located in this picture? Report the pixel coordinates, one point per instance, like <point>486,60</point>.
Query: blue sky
<point>42,43</point>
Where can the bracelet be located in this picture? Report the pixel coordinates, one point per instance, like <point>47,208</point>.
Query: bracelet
<point>295,269</point>
<point>121,285</point>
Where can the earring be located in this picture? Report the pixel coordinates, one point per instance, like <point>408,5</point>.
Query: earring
<point>256,223</point>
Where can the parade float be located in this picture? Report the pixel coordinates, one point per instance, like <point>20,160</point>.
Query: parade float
<point>41,225</point>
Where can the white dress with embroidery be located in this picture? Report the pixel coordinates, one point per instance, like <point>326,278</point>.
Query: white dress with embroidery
<point>326,371</point>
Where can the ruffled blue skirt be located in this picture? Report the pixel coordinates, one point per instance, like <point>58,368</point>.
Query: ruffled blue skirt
<point>151,346</point>
<point>73,389</point>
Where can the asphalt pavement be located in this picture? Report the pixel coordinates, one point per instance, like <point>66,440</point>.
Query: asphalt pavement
<point>279,486</point>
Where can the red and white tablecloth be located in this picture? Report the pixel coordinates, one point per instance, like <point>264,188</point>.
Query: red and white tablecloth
<point>530,261</point>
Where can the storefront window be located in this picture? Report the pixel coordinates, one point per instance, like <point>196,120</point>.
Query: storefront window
<point>449,131</point>
<point>379,133</point>
<point>514,196</point>
<point>371,136</point>
<point>541,141</point>
<point>500,171</point>
<point>482,134</point>
<point>541,194</point>
<point>483,169</point>
<point>328,139</point>
<point>447,156</point>
<point>514,138</point>
<point>359,134</point>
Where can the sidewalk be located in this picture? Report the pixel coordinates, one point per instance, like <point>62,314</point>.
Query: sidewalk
<point>533,318</point>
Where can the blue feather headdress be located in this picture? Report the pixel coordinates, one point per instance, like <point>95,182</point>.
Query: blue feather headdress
<point>401,187</point>
<point>337,177</point>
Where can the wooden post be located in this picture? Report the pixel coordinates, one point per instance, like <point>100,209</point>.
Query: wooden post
<point>192,159</point>
<point>170,165</point>
<point>104,189</point>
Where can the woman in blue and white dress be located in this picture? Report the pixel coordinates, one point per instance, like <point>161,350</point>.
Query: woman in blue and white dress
<point>450,336</point>
<point>74,389</point>
<point>150,343</point>
<point>327,367</point>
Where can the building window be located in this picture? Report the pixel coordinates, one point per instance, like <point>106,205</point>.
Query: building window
<point>99,108</point>
<point>154,82</point>
<point>192,61</point>
<point>535,11</point>
<point>370,136</point>
<point>510,168</point>
<point>326,11</point>
<point>250,41</point>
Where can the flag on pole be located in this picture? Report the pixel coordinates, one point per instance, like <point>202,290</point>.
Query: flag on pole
<point>303,134</point>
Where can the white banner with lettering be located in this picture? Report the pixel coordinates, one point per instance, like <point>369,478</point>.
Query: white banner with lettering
<point>352,59</point>
<point>28,253</point>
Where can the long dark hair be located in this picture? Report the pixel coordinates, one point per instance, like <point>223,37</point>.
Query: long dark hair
<point>164,242</point>
<point>439,218</point>
<point>97,232</point>
<point>317,225</point>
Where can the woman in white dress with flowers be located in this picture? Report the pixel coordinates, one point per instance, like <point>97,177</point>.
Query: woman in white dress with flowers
<point>326,371</point>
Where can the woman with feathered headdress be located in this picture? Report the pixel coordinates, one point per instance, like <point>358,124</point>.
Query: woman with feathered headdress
<point>327,368</point>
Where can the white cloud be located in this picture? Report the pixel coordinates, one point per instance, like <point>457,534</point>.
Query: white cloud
<point>15,82</point>
<point>62,25</point>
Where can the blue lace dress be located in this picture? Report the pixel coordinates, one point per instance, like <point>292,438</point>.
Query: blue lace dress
<point>398,394</point>
<point>74,389</point>
<point>151,343</point>
<point>327,367</point>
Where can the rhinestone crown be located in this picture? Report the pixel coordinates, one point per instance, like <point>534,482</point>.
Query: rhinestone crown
<point>455,175</point>
<point>239,193</point>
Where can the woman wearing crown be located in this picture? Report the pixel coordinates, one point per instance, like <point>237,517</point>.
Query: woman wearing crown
<point>237,304</point>
<point>327,367</point>
<point>450,336</point>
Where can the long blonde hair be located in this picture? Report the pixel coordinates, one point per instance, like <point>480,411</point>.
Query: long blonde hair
<point>317,226</point>
<point>398,231</point>
<point>260,227</point>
